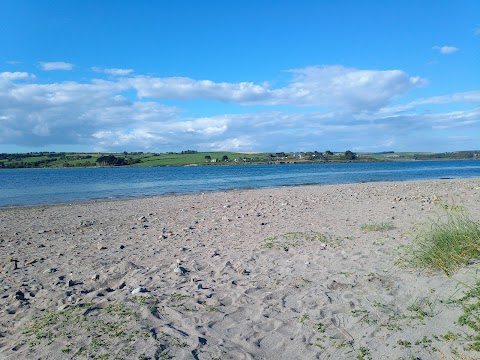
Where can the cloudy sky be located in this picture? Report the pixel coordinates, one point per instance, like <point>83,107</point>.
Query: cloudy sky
<point>249,75</point>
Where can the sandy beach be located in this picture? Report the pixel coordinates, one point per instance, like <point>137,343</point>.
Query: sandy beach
<point>285,273</point>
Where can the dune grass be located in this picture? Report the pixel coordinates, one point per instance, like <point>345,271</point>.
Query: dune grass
<point>447,243</point>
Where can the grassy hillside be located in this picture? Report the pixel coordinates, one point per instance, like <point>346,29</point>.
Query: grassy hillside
<point>55,160</point>
<point>196,158</point>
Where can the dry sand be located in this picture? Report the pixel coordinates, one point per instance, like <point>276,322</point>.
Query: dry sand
<point>282,273</point>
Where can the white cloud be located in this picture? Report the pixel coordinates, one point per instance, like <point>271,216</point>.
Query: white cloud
<point>240,143</point>
<point>70,112</point>
<point>343,87</point>
<point>348,107</point>
<point>182,88</point>
<point>464,97</point>
<point>17,75</point>
<point>332,86</point>
<point>469,97</point>
<point>56,65</point>
<point>113,71</point>
<point>446,49</point>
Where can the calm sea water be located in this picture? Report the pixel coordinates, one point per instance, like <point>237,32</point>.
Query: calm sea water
<point>26,187</point>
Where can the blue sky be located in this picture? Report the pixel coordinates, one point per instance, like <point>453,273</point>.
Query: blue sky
<point>239,75</point>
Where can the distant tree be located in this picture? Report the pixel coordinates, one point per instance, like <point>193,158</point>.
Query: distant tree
<point>225,158</point>
<point>328,152</point>
<point>208,157</point>
<point>350,155</point>
<point>111,160</point>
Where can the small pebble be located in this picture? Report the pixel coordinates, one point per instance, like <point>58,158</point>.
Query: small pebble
<point>139,290</point>
<point>19,295</point>
<point>243,272</point>
<point>180,270</point>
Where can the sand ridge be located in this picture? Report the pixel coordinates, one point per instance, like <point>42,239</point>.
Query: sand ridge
<point>273,273</point>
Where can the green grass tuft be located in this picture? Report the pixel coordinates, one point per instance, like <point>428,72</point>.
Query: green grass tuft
<point>448,243</point>
<point>377,227</point>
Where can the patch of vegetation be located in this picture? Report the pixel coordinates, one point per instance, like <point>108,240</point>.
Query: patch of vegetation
<point>404,343</point>
<point>144,299</point>
<point>365,317</point>
<point>470,317</point>
<point>424,342</point>
<point>302,319</point>
<point>296,240</point>
<point>115,330</point>
<point>119,309</point>
<point>451,336</point>
<point>447,243</point>
<point>421,309</point>
<point>178,296</point>
<point>319,327</point>
<point>212,309</point>
<point>364,354</point>
<point>340,345</point>
<point>383,226</point>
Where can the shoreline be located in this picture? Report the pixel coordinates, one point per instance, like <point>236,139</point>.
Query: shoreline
<point>126,198</point>
<point>265,271</point>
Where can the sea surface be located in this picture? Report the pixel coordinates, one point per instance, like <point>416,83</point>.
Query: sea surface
<point>28,187</point>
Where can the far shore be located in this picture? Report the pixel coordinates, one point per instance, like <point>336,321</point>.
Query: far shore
<point>195,158</point>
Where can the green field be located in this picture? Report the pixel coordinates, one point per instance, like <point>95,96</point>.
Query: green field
<point>56,160</point>
<point>197,158</point>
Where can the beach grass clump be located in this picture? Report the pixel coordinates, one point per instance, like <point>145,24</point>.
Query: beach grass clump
<point>448,243</point>
<point>384,226</point>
